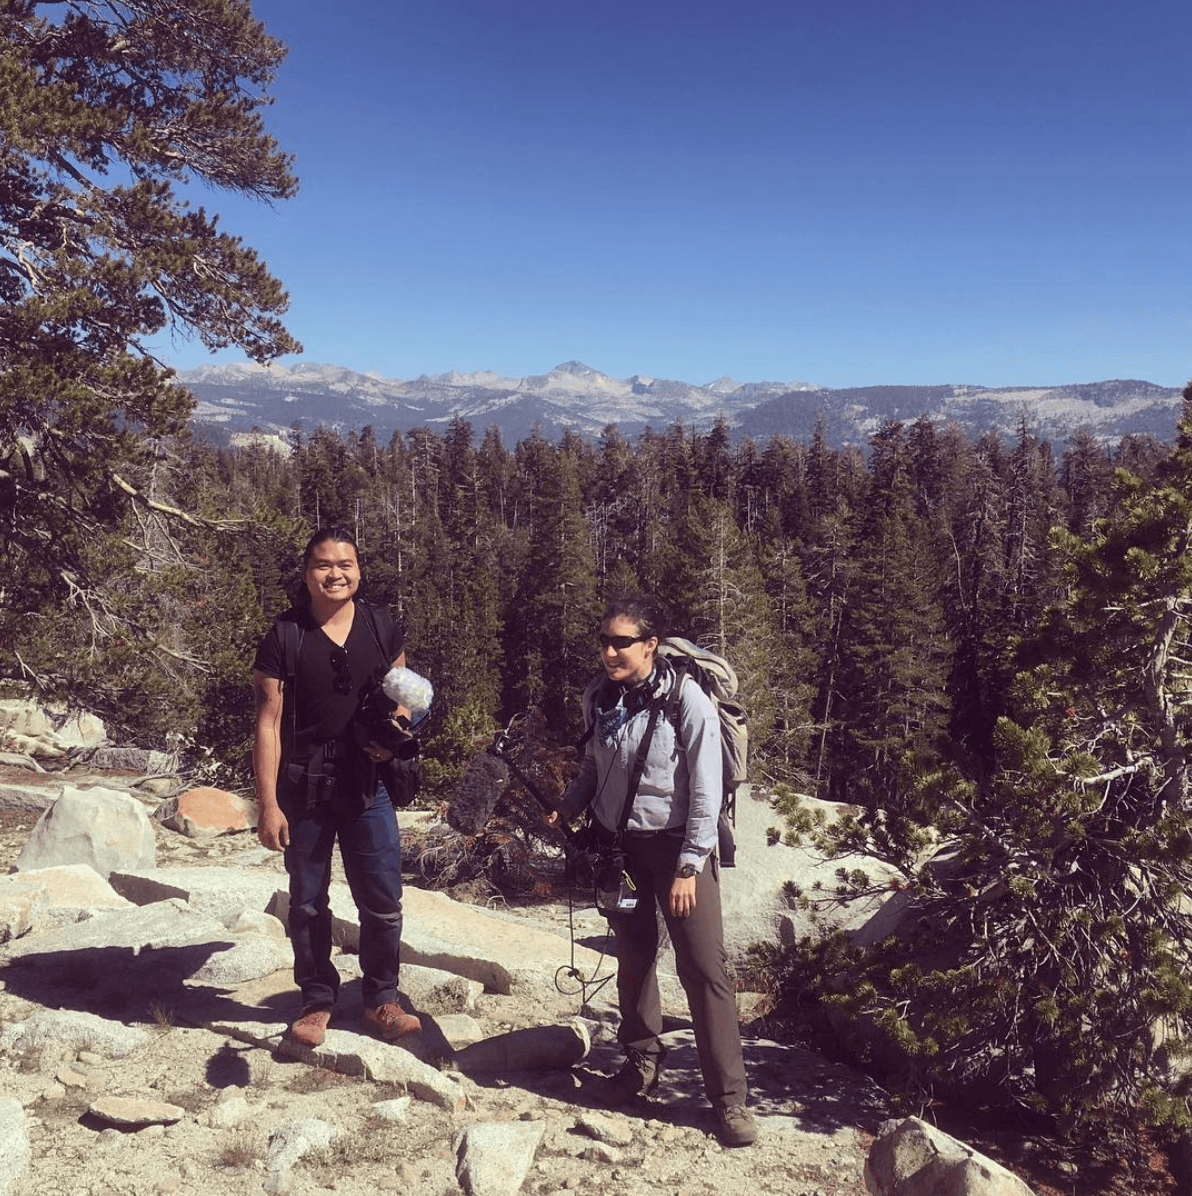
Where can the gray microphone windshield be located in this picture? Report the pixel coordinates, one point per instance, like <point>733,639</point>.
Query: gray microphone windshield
<point>477,793</point>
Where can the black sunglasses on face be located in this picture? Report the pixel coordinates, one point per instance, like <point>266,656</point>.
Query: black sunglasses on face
<point>621,642</point>
<point>343,674</point>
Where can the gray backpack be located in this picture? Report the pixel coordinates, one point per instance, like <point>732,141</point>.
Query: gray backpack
<point>716,677</point>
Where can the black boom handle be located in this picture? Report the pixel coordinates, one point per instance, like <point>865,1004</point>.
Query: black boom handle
<point>500,748</point>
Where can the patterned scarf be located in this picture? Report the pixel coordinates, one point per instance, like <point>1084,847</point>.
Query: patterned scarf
<point>616,704</point>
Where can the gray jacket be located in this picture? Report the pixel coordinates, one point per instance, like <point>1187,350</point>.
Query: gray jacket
<point>680,786</point>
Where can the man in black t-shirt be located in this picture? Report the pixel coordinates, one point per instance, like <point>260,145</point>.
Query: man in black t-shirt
<point>316,785</point>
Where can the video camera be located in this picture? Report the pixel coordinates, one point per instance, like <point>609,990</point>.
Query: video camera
<point>375,721</point>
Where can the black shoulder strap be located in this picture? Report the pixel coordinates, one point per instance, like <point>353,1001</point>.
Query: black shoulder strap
<point>670,704</point>
<point>291,633</point>
<point>381,624</point>
<point>675,696</point>
<point>639,766</point>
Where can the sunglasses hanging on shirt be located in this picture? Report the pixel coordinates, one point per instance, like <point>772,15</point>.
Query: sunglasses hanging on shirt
<point>343,674</point>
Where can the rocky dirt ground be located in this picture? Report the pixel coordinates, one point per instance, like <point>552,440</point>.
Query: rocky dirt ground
<point>817,1118</point>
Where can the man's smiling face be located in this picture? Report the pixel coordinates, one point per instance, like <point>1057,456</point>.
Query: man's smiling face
<point>333,572</point>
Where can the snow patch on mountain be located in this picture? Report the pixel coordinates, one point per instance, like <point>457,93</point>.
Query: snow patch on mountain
<point>574,395</point>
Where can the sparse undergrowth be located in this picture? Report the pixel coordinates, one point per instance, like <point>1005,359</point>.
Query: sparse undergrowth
<point>242,1148</point>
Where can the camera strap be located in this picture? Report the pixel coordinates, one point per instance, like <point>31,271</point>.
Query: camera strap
<point>639,766</point>
<point>370,618</point>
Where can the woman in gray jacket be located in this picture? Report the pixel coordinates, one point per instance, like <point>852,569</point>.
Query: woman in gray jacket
<point>668,837</point>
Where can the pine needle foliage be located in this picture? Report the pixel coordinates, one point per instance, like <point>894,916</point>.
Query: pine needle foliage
<point>1045,959</point>
<point>108,110</point>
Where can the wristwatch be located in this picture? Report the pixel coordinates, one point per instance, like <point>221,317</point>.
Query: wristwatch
<point>685,871</point>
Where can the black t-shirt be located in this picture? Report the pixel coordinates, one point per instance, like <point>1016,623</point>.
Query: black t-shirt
<point>322,713</point>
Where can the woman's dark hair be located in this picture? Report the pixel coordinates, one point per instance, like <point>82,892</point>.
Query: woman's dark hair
<point>336,535</point>
<point>643,609</point>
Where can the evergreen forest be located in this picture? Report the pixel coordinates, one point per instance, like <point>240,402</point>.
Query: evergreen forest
<point>971,642</point>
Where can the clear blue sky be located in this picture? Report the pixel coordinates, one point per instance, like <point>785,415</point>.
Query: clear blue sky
<point>845,192</point>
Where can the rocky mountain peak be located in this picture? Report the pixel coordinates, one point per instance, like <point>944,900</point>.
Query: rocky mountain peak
<point>573,395</point>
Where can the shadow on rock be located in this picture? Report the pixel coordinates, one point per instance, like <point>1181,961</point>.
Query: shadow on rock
<point>129,984</point>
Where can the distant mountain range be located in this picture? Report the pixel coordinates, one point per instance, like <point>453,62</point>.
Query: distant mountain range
<point>238,399</point>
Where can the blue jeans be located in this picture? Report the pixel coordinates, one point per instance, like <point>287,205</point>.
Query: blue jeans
<point>370,846</point>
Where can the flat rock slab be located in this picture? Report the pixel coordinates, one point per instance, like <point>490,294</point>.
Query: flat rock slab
<point>134,1113</point>
<point>437,932</point>
<point>249,958</point>
<point>353,1054</point>
<point>75,1029</point>
<point>32,797</point>
<point>20,760</point>
<point>158,926</point>
<point>69,888</point>
<point>149,950</point>
<point>223,893</point>
<point>441,933</point>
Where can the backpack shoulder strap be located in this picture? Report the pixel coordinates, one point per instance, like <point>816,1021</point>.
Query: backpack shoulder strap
<point>639,766</point>
<point>681,667</point>
<point>588,702</point>
<point>290,632</point>
<point>381,623</point>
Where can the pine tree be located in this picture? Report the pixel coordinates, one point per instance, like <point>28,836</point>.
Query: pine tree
<point>1050,961</point>
<point>1086,474</point>
<point>793,666</point>
<point>834,486</point>
<point>976,584</point>
<point>717,597</point>
<point>714,464</point>
<point>108,108</point>
<point>496,468</point>
<point>612,505</point>
<point>893,658</point>
<point>456,609</point>
<point>551,621</point>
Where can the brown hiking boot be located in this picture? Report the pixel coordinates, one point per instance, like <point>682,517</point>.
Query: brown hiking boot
<point>390,1021</point>
<point>309,1029</point>
<point>735,1126</point>
<point>639,1076</point>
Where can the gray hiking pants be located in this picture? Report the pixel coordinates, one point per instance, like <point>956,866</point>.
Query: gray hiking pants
<point>700,958</point>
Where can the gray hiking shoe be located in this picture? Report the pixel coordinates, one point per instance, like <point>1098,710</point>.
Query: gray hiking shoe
<point>639,1076</point>
<point>735,1126</point>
